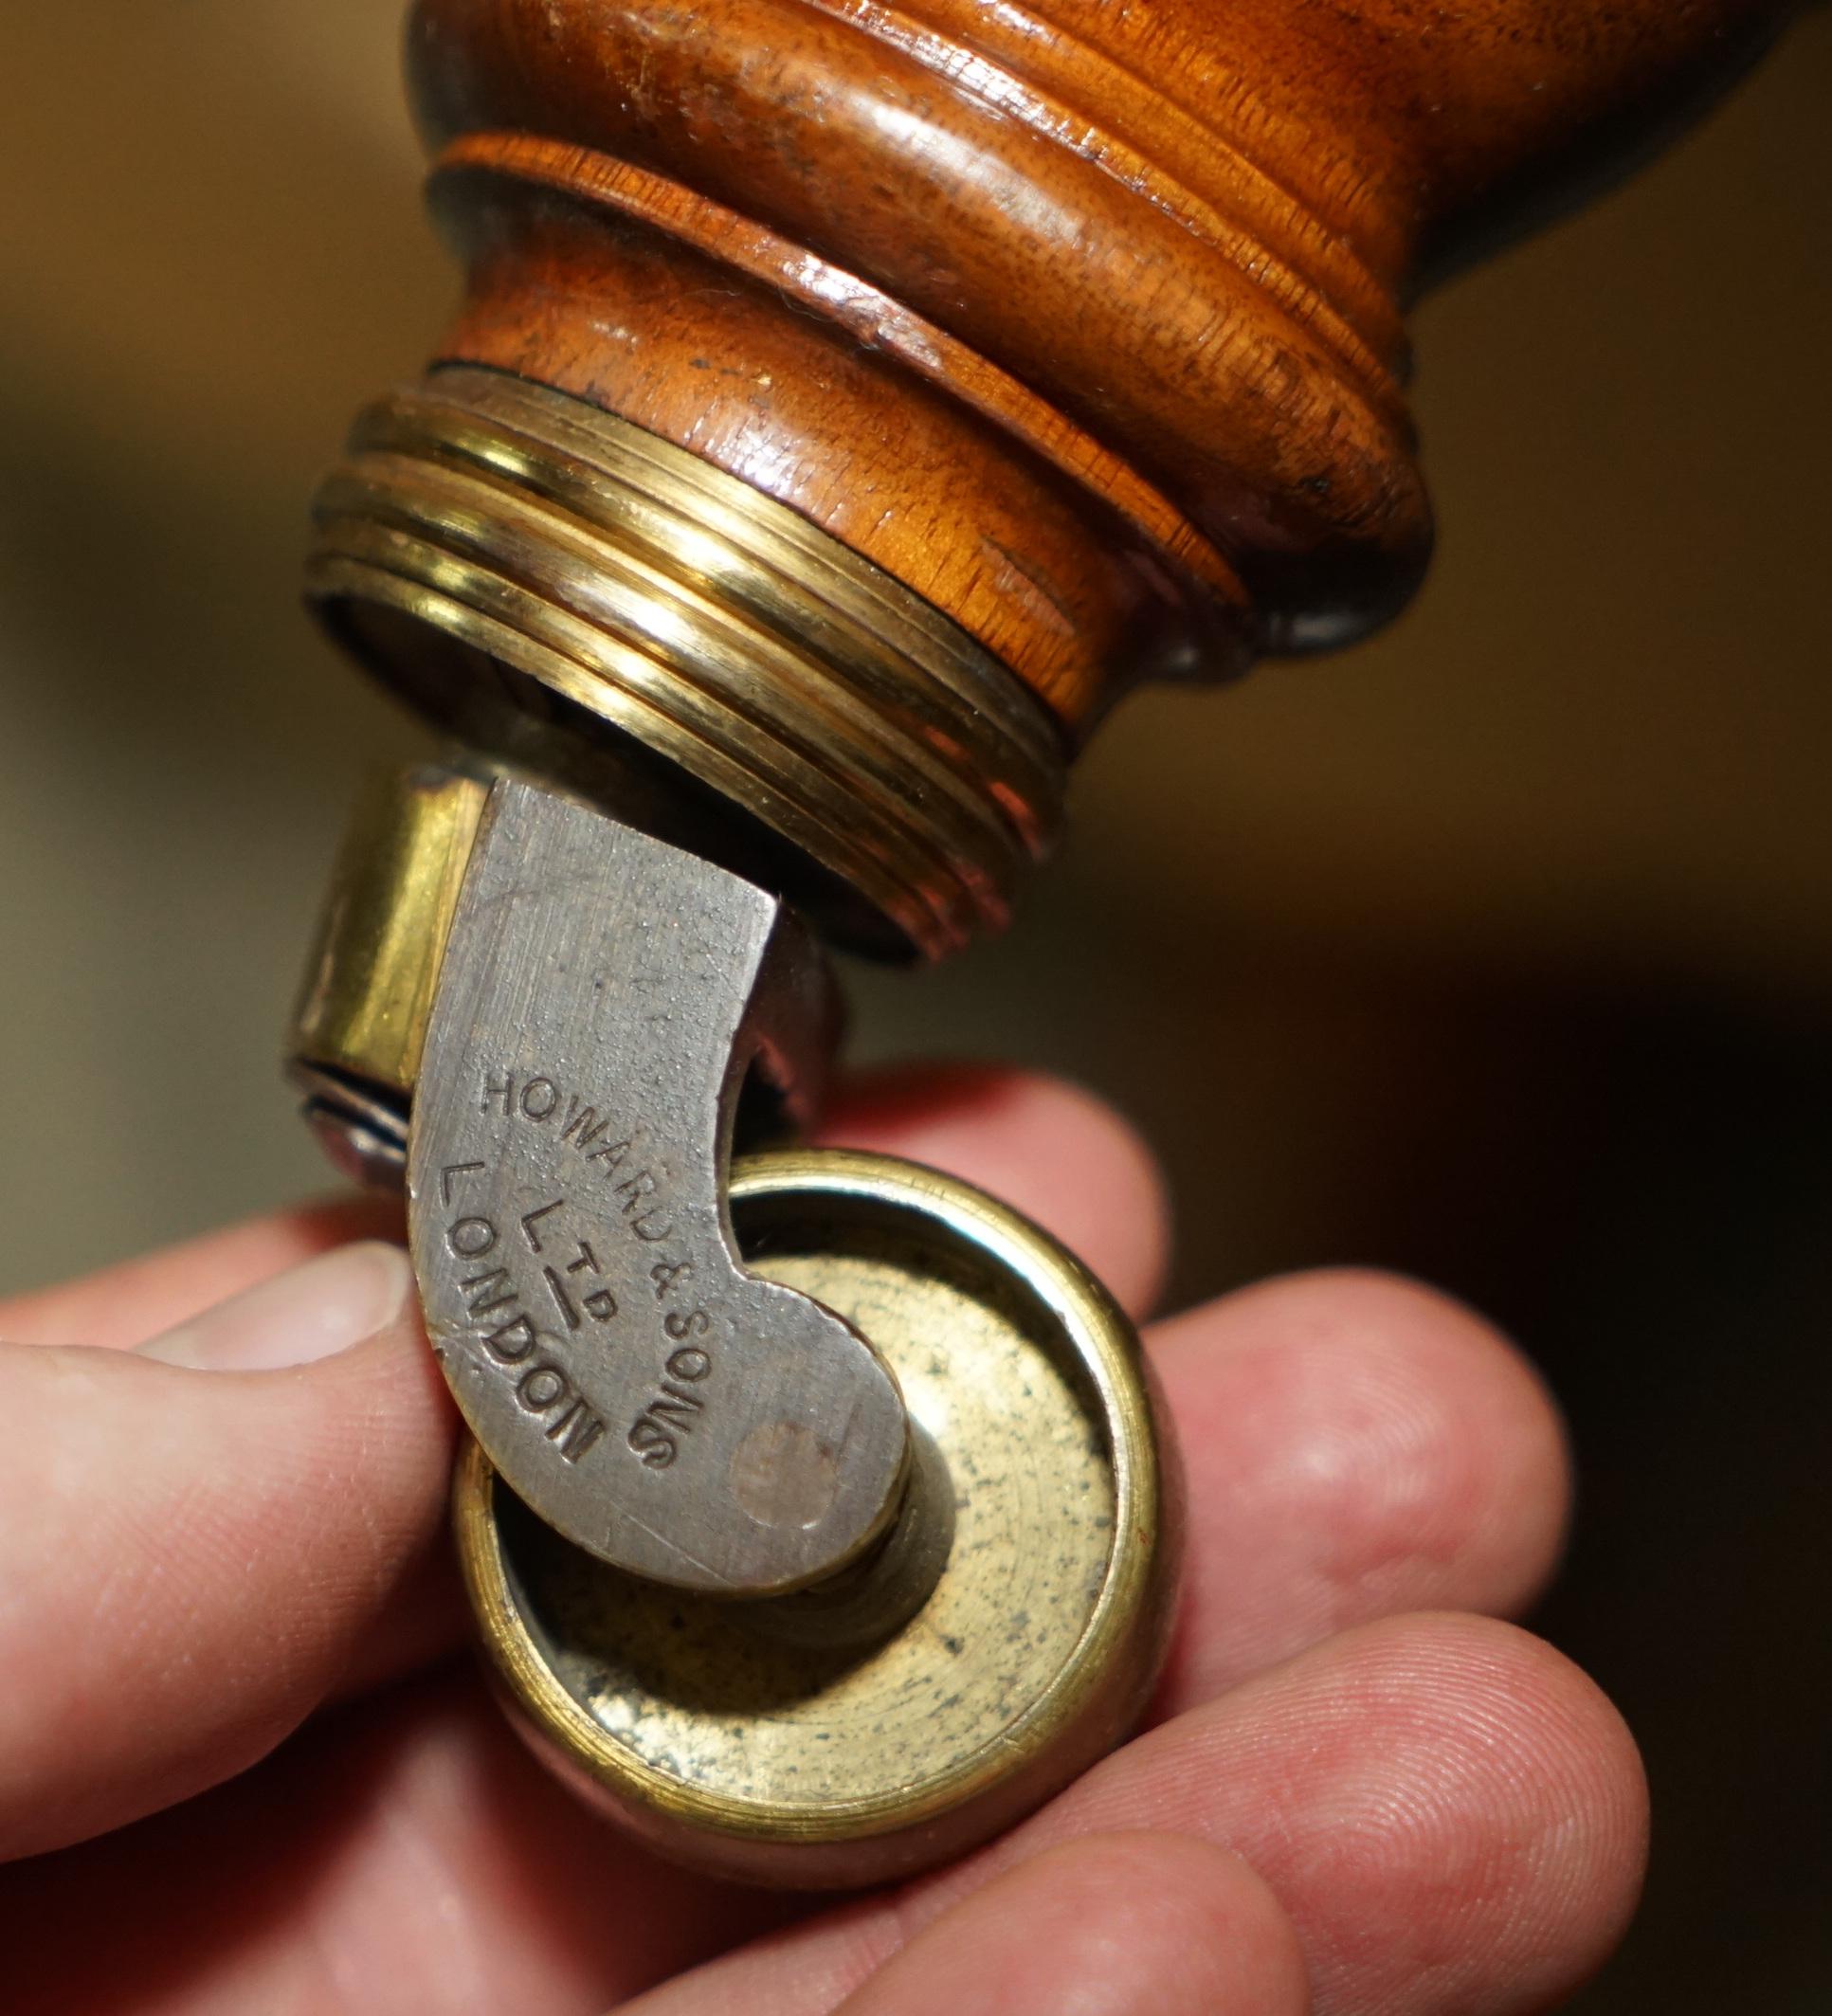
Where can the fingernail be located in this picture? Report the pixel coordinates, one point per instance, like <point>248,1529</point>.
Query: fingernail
<point>308,1312</point>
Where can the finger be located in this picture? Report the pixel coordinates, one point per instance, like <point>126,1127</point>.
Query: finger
<point>400,1857</point>
<point>192,1559</point>
<point>1356,1446</point>
<point>123,1305</point>
<point>1453,1817</point>
<point>1053,1151</point>
<point>1450,1815</point>
<point>1125,1924</point>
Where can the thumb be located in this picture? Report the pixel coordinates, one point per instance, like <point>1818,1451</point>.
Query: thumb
<point>200,1539</point>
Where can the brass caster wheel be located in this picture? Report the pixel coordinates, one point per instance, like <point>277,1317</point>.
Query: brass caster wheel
<point>782,1739</point>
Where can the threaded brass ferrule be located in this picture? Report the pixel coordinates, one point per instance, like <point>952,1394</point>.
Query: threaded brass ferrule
<point>567,590</point>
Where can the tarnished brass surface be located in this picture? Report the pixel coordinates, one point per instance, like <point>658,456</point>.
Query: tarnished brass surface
<point>556,585</point>
<point>359,1028</point>
<point>369,984</point>
<point>725,1744</point>
<point>360,1023</point>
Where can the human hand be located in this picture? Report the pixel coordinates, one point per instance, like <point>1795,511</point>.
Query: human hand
<point>242,1773</point>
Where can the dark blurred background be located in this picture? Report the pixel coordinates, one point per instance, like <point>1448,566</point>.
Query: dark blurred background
<point>1499,951</point>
